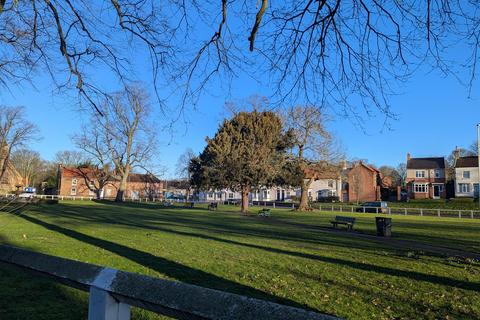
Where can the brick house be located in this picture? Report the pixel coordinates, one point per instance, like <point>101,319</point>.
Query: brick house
<point>426,178</point>
<point>364,183</point>
<point>81,182</point>
<point>11,180</point>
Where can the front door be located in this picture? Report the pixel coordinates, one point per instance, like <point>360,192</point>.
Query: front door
<point>475,190</point>
<point>437,189</point>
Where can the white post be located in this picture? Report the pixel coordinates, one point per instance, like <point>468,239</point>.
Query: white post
<point>102,306</point>
<point>405,211</point>
<point>438,212</point>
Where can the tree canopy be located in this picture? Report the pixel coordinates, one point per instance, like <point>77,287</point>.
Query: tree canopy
<point>247,152</point>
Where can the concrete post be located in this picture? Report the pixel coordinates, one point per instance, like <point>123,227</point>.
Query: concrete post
<point>102,306</point>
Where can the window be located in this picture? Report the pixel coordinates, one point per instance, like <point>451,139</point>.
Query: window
<point>74,181</point>
<point>420,174</point>
<point>330,183</point>
<point>420,188</point>
<point>230,195</point>
<point>73,191</point>
<point>464,187</point>
<point>466,174</point>
<point>437,173</point>
<point>265,193</point>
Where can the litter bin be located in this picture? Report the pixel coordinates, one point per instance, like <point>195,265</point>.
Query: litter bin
<point>384,226</point>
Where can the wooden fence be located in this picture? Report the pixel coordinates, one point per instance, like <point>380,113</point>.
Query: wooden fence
<point>112,292</point>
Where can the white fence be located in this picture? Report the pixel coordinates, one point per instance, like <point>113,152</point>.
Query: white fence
<point>428,212</point>
<point>112,292</point>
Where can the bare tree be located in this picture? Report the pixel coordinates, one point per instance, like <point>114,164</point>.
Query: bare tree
<point>97,171</point>
<point>70,158</point>
<point>312,145</point>
<point>15,132</point>
<point>125,133</point>
<point>402,172</point>
<point>348,55</point>
<point>183,165</point>
<point>29,165</point>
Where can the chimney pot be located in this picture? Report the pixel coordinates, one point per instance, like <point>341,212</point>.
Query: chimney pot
<point>408,156</point>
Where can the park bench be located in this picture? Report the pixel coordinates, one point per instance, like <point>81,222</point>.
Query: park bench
<point>348,221</point>
<point>213,206</point>
<point>265,212</point>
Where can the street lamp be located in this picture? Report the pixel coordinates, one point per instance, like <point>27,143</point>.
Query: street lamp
<point>478,164</point>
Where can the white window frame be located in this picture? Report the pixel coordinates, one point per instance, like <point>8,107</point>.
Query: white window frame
<point>420,174</point>
<point>461,188</point>
<point>464,172</point>
<point>420,187</point>
<point>73,191</point>
<point>74,181</point>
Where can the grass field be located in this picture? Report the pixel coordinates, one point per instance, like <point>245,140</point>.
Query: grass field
<point>290,258</point>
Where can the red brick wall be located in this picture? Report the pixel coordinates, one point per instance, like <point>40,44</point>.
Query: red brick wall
<point>362,184</point>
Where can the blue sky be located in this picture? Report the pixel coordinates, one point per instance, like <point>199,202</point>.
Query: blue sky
<point>434,115</point>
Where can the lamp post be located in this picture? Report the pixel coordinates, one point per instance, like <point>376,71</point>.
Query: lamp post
<point>478,164</point>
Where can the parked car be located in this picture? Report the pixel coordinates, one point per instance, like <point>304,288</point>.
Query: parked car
<point>27,194</point>
<point>372,207</point>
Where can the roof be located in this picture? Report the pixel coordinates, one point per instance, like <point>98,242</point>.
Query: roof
<point>467,162</point>
<point>426,163</point>
<point>144,178</point>
<point>322,170</point>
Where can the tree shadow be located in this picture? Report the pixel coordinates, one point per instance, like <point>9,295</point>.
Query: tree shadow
<point>167,267</point>
<point>194,276</point>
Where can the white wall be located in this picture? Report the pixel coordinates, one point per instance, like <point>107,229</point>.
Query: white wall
<point>459,179</point>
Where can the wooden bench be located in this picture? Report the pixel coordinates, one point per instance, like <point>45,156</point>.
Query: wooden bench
<point>348,221</point>
<point>213,206</point>
<point>265,212</point>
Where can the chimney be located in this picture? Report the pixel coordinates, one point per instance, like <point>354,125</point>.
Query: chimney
<point>408,156</point>
<point>344,165</point>
<point>456,155</point>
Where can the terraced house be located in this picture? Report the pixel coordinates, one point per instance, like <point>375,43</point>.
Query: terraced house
<point>426,178</point>
<point>466,177</point>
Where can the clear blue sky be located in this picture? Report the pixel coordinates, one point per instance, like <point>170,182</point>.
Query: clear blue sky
<point>434,115</point>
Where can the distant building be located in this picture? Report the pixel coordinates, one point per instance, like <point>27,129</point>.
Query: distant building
<point>81,182</point>
<point>466,177</point>
<point>364,183</point>
<point>426,178</point>
<point>12,180</point>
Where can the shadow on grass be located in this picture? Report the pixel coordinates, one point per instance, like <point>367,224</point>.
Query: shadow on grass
<point>24,295</point>
<point>187,274</point>
<point>169,268</point>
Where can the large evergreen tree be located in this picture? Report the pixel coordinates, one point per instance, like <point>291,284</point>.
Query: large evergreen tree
<point>248,151</point>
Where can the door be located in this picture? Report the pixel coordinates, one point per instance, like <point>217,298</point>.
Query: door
<point>436,191</point>
<point>475,190</point>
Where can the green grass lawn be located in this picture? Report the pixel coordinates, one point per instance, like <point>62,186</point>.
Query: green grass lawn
<point>290,258</point>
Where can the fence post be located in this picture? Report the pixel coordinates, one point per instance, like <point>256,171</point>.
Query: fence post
<point>421,212</point>
<point>376,210</point>
<point>405,211</point>
<point>273,204</point>
<point>293,206</point>
<point>341,209</point>
<point>351,208</point>
<point>438,212</point>
<point>389,210</point>
<point>102,306</point>
<point>471,214</point>
<point>320,207</point>
<point>459,213</point>
<point>363,209</point>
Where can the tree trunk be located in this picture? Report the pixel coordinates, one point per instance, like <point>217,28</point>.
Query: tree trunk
<point>98,193</point>
<point>122,188</point>
<point>303,206</point>
<point>245,192</point>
